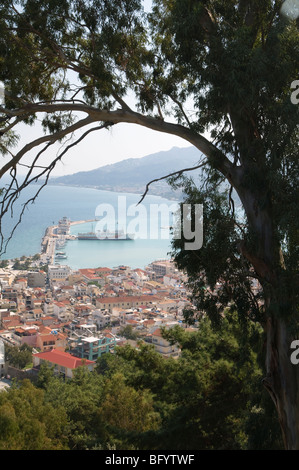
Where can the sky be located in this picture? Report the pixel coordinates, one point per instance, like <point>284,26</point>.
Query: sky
<point>105,147</point>
<point>122,141</point>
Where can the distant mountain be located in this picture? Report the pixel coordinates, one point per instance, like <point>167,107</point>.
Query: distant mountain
<point>133,174</point>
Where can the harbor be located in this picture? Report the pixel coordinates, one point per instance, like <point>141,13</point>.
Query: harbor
<point>55,238</point>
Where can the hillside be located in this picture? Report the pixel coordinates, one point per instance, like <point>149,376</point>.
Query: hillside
<point>132,174</point>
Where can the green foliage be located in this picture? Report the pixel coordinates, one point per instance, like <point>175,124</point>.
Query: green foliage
<point>208,398</point>
<point>217,275</point>
<point>126,413</point>
<point>18,356</point>
<point>232,65</point>
<point>44,268</point>
<point>28,423</point>
<point>99,411</point>
<point>237,63</point>
<point>22,264</point>
<point>81,399</point>
<point>128,332</point>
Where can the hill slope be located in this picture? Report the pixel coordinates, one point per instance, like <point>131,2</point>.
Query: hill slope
<point>133,174</point>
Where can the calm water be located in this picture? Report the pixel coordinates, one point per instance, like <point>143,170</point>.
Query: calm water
<point>55,202</point>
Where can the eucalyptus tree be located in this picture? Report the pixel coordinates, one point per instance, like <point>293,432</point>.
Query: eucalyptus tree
<point>229,68</point>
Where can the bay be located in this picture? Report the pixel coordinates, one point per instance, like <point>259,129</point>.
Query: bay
<point>77,203</point>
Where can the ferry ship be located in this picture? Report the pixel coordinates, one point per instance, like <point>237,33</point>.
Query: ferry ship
<point>106,235</point>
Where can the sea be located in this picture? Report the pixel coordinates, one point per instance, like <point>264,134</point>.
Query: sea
<point>149,221</point>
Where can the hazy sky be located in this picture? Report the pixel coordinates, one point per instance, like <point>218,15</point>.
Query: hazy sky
<point>121,142</point>
<point>100,148</point>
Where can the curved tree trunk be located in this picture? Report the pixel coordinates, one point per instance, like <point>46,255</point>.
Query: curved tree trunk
<point>282,379</point>
<point>282,376</point>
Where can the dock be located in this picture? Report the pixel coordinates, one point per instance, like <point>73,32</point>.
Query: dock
<point>56,236</point>
<point>78,222</point>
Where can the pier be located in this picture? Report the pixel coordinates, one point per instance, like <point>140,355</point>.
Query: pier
<point>56,236</point>
<point>78,222</point>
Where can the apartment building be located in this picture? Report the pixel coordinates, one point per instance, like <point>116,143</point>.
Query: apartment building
<point>64,363</point>
<point>58,273</point>
<point>163,346</point>
<point>125,302</point>
<point>93,347</point>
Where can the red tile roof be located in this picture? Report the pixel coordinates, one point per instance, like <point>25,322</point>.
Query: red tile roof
<point>31,331</point>
<point>94,273</point>
<point>12,324</point>
<point>157,332</point>
<point>63,359</point>
<point>129,298</point>
<point>19,330</point>
<point>59,304</point>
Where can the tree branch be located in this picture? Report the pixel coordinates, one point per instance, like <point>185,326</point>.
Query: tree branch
<point>178,173</point>
<point>50,137</point>
<point>215,157</point>
<point>11,195</point>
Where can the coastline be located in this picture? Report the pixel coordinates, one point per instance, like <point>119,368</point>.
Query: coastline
<point>79,204</point>
<point>52,236</point>
<point>170,195</point>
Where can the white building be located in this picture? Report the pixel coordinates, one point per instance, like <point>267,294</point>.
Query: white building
<point>162,346</point>
<point>58,273</point>
<point>63,226</point>
<point>139,276</point>
<point>101,318</point>
<point>48,307</point>
<point>161,268</point>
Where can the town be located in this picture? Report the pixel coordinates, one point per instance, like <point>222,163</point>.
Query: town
<point>72,317</point>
